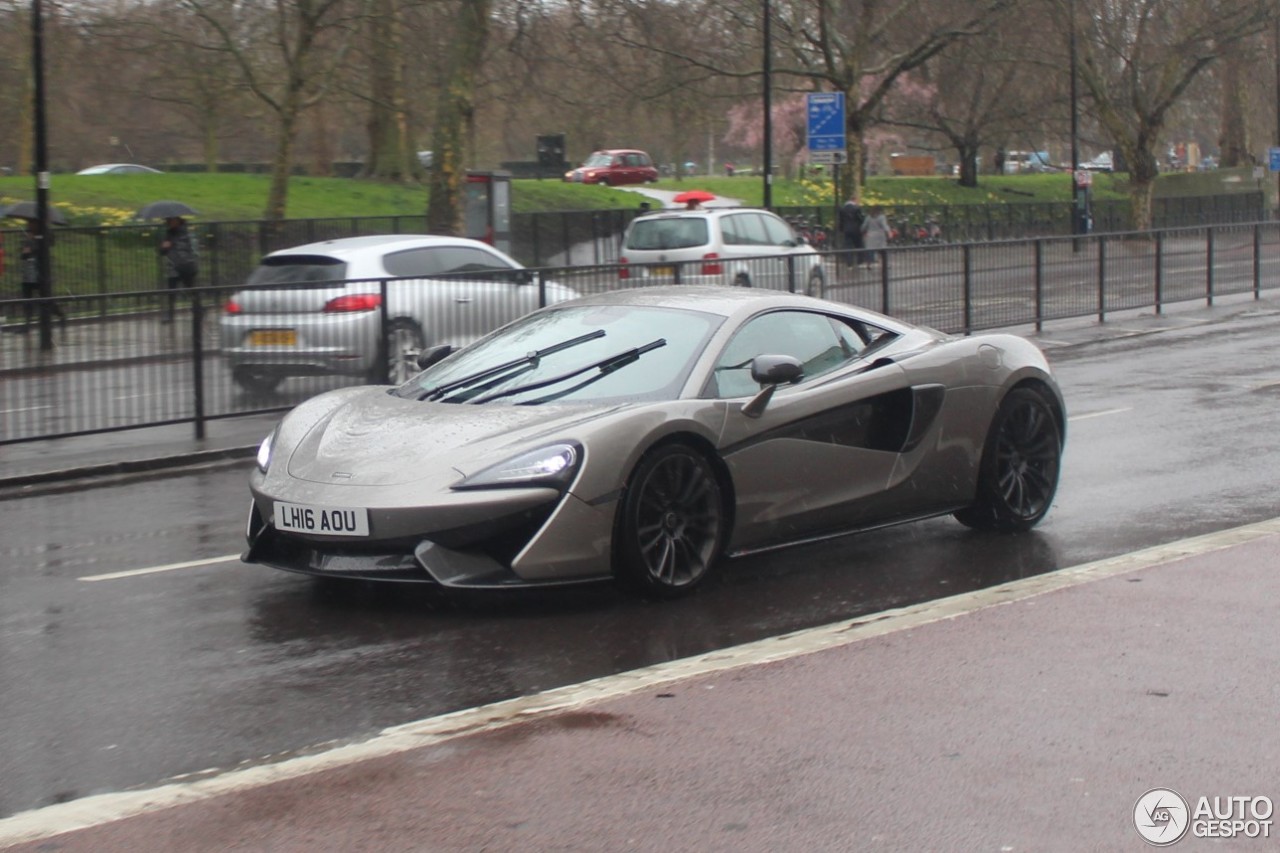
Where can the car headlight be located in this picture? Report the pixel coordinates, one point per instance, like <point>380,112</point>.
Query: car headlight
<point>554,466</point>
<point>264,451</point>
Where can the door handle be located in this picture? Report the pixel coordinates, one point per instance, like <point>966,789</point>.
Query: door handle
<point>462,300</point>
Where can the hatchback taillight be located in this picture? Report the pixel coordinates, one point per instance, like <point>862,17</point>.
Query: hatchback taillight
<point>624,271</point>
<point>709,267</point>
<point>353,302</point>
<point>232,307</point>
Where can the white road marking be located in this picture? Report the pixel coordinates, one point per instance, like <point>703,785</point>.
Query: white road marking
<point>1104,413</point>
<point>24,409</point>
<point>171,567</point>
<point>104,808</point>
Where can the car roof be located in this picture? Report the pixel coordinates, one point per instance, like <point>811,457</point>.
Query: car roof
<point>347,246</point>
<point>726,301</point>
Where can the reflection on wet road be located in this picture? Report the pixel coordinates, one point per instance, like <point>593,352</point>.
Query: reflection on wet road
<point>132,650</point>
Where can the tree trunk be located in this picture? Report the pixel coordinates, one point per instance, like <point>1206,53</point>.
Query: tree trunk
<point>1143,171</point>
<point>1233,144</point>
<point>968,153</point>
<point>391,156</point>
<point>445,211</point>
<point>282,162</point>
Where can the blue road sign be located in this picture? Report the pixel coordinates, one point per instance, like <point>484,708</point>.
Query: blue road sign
<point>1275,159</point>
<point>826,121</point>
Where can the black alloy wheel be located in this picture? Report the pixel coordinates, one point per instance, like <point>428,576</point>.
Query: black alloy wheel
<point>671,525</point>
<point>1020,466</point>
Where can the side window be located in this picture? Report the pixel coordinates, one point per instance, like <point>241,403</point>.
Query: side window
<point>751,231</point>
<point>729,230</point>
<point>778,232</point>
<point>819,342</point>
<point>475,263</point>
<point>413,262</point>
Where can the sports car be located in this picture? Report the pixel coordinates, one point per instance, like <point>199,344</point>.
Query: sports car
<point>642,435</point>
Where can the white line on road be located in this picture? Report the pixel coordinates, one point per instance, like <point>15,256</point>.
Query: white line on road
<point>171,567</point>
<point>25,409</point>
<point>1101,414</point>
<point>99,809</point>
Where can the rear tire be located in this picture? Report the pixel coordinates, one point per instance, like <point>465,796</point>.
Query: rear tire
<point>1021,463</point>
<point>817,284</point>
<point>404,342</point>
<point>256,380</point>
<point>742,280</point>
<point>671,523</point>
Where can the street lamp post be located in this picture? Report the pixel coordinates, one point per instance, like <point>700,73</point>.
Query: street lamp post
<point>42,178</point>
<point>768,109</point>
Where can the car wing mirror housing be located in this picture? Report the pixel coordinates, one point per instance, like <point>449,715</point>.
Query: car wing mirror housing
<point>431,355</point>
<point>770,371</point>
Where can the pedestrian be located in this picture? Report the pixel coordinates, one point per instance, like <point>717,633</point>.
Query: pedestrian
<point>875,233</point>
<point>181,259</point>
<point>31,290</point>
<point>851,219</point>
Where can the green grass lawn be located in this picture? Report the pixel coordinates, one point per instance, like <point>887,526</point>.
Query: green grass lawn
<point>113,199</point>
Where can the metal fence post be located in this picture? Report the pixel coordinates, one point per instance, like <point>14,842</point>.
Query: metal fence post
<point>197,356</point>
<point>791,273</point>
<point>384,346</point>
<point>100,243</point>
<point>966,254</point>
<point>1208,278</point>
<point>1257,261</point>
<point>884,281</point>
<point>1102,280</point>
<point>1038,253</point>
<point>1159,294</point>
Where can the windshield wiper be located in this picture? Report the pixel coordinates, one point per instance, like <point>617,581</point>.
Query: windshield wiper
<point>604,365</point>
<point>531,359</point>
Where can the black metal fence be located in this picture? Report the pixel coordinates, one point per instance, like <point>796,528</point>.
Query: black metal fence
<point>122,259</point>
<point>118,361</point>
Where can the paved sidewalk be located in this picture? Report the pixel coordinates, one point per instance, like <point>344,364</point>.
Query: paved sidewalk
<point>1030,716</point>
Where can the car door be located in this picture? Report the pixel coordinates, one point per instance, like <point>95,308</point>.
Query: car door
<point>823,449</point>
<point>474,291</point>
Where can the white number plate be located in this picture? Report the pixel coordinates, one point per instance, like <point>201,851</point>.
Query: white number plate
<point>322,520</point>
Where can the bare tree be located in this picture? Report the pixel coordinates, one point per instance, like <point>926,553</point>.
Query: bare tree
<point>454,116</point>
<point>1136,60</point>
<point>288,53</point>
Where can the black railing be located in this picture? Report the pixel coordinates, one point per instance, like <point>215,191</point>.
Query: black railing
<point>119,363</point>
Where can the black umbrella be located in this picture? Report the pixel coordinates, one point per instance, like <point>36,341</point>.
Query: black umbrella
<point>164,210</point>
<point>28,210</point>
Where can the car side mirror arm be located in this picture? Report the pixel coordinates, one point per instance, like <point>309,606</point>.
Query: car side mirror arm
<point>431,355</point>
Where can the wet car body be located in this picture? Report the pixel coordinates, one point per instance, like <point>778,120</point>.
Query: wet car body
<point>688,432</point>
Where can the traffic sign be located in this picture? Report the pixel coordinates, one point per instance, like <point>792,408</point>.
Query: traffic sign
<point>826,124</point>
<point>829,157</point>
<point>1275,159</point>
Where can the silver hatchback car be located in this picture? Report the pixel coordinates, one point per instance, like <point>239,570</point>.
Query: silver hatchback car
<point>317,309</point>
<point>730,246</point>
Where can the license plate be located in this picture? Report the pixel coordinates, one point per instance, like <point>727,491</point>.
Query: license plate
<point>322,520</point>
<point>664,271</point>
<point>273,338</point>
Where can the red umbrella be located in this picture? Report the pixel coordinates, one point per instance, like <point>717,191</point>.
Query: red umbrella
<point>693,195</point>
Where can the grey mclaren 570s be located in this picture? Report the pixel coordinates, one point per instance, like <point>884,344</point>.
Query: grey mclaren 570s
<point>642,435</point>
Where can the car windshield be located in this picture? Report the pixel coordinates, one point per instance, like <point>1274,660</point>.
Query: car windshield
<point>585,354</point>
<point>298,269</point>
<point>599,159</point>
<point>670,232</point>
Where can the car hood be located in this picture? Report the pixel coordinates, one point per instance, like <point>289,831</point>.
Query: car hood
<point>376,439</point>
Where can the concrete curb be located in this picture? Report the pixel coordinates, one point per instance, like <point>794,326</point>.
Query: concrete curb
<point>126,467</point>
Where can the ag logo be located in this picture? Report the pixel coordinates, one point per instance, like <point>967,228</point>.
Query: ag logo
<point>1161,816</point>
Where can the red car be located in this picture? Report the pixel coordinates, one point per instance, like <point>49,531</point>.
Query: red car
<point>614,167</point>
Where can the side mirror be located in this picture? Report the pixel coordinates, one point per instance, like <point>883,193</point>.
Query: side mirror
<point>776,369</point>
<point>771,371</point>
<point>431,355</point>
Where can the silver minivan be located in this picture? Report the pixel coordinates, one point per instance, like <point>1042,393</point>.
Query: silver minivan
<point>743,247</point>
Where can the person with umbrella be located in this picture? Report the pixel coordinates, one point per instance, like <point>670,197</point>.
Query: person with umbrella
<point>693,199</point>
<point>29,255</point>
<point>181,256</point>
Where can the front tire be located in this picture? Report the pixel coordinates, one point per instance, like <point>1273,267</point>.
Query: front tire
<point>1021,463</point>
<point>671,523</point>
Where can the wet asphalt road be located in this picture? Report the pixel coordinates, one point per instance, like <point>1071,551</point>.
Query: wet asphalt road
<point>108,682</point>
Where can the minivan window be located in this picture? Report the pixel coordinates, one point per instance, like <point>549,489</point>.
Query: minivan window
<point>667,233</point>
<point>747,229</point>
